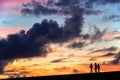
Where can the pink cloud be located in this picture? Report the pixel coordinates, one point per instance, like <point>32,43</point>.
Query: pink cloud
<point>10,12</point>
<point>5,31</point>
<point>8,6</point>
<point>12,3</point>
<point>111,36</point>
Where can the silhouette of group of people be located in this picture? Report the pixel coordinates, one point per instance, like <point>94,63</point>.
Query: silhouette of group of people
<point>96,68</point>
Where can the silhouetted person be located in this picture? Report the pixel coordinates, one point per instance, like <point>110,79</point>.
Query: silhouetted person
<point>98,68</point>
<point>91,67</point>
<point>95,67</point>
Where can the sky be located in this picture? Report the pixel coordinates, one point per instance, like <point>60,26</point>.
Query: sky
<point>29,49</point>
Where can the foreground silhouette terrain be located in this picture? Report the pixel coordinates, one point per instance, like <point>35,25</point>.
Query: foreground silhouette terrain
<point>87,76</point>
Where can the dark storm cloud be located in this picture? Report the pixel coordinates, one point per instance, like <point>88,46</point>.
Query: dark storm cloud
<point>30,43</point>
<point>73,25</point>
<point>19,45</point>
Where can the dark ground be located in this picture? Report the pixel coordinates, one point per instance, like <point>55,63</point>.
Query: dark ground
<point>87,76</point>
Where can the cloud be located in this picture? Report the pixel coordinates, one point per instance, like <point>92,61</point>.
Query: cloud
<point>90,3</point>
<point>31,43</point>
<point>76,45</point>
<point>72,22</point>
<point>116,60</point>
<point>112,48</point>
<point>5,31</point>
<point>11,7</point>
<point>73,25</point>
<point>11,3</point>
<point>111,17</point>
<point>112,1</point>
<point>9,11</point>
<point>36,8</point>
<point>106,49</point>
<point>58,60</point>
<point>108,54</point>
<point>118,55</point>
<point>92,59</point>
<point>52,7</point>
<point>71,55</point>
<point>2,65</point>
<point>92,11</point>
<point>67,3</point>
<point>86,3</point>
<point>116,37</point>
<point>97,34</point>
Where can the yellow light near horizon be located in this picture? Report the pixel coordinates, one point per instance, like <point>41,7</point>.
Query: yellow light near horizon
<point>3,76</point>
<point>43,66</point>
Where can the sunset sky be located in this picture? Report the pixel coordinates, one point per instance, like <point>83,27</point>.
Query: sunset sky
<point>99,19</point>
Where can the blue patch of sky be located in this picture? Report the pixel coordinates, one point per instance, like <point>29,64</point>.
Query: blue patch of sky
<point>98,20</point>
<point>112,9</point>
<point>19,20</point>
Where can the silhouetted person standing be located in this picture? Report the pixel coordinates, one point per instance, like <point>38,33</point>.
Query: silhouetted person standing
<point>98,68</point>
<point>95,67</point>
<point>91,67</point>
